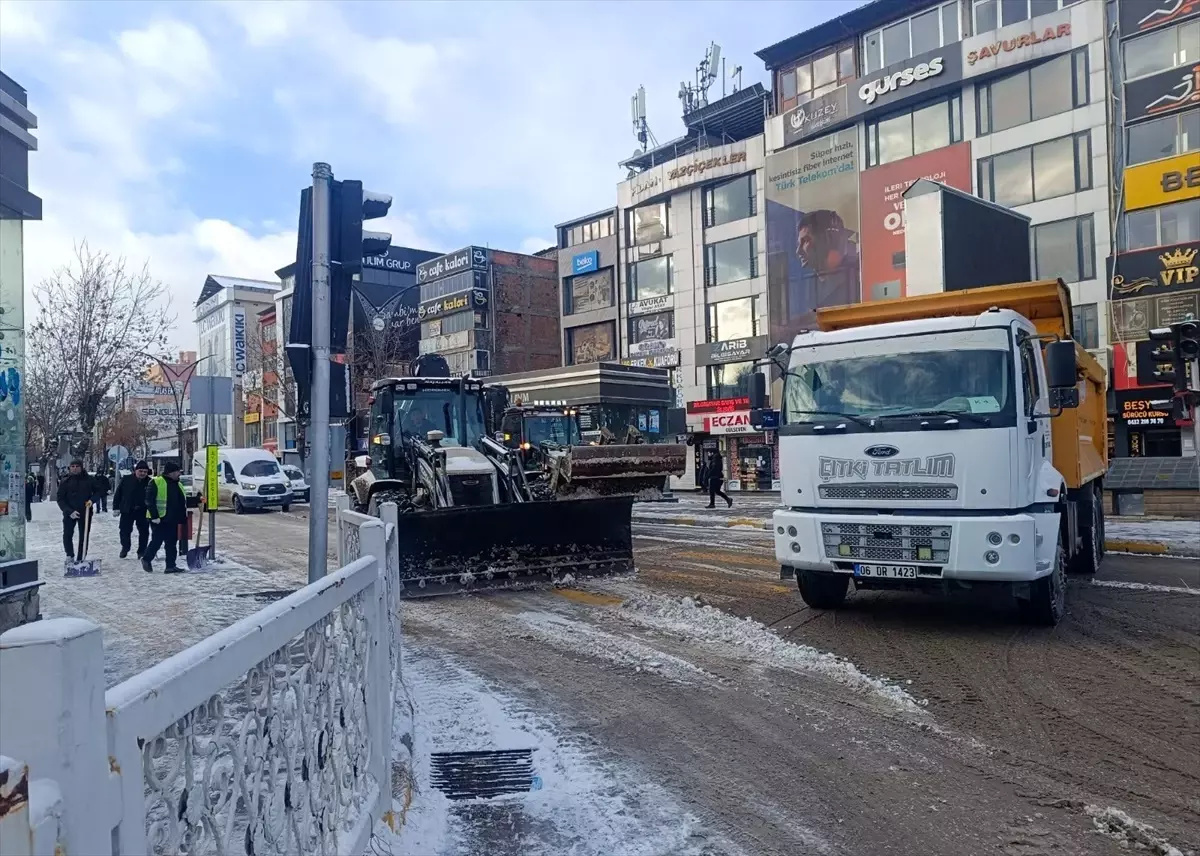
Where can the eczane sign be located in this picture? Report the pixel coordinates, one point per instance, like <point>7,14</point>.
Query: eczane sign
<point>737,422</point>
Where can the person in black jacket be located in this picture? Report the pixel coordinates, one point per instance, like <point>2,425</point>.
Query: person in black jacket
<point>714,477</point>
<point>74,493</point>
<point>130,503</point>
<point>102,486</point>
<point>166,506</point>
<point>30,491</point>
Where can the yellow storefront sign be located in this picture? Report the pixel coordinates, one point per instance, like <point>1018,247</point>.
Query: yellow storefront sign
<point>1162,182</point>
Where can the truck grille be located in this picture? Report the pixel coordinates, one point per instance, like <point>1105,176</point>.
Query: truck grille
<point>888,491</point>
<point>271,489</point>
<point>471,490</point>
<point>886,542</point>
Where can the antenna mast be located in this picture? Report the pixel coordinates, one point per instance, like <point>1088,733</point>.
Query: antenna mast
<point>693,96</point>
<point>641,130</point>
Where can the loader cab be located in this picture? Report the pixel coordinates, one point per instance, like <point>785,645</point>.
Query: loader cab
<point>527,428</point>
<point>412,407</point>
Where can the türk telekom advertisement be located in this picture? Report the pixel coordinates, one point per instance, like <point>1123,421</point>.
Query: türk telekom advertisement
<point>812,230</point>
<point>881,190</point>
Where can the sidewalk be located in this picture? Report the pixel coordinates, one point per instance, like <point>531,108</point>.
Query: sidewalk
<point>1123,534</point>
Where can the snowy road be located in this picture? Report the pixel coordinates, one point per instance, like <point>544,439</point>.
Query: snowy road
<point>660,725</point>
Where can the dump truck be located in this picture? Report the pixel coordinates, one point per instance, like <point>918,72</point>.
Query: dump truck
<point>557,461</point>
<point>946,442</point>
<point>469,518</point>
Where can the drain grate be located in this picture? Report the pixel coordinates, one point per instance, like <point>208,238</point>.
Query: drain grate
<point>483,774</point>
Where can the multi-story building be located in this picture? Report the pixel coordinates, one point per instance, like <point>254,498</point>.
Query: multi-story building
<point>587,270</point>
<point>489,311</point>
<point>692,276</point>
<point>1154,272</point>
<point>225,311</point>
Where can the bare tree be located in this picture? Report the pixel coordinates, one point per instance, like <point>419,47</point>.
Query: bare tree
<point>378,349</point>
<point>127,428</point>
<point>268,377</point>
<point>49,410</point>
<point>98,318</point>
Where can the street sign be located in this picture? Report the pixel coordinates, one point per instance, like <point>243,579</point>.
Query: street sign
<point>211,470</point>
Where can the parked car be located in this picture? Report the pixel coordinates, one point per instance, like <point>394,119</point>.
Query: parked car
<point>300,489</point>
<point>189,485</point>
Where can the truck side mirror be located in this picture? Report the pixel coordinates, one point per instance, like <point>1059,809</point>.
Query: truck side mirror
<point>1061,364</point>
<point>758,390</point>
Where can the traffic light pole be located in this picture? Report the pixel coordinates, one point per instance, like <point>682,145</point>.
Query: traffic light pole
<point>1194,375</point>
<point>318,425</point>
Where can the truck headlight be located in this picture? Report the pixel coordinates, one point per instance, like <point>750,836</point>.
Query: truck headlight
<point>249,488</point>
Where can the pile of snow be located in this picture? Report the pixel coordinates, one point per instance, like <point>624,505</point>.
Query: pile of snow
<point>696,622</point>
<point>1172,534</point>
<point>1118,825</point>
<point>1122,584</point>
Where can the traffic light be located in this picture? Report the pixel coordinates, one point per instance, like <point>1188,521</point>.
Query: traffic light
<point>350,205</point>
<point>1178,346</point>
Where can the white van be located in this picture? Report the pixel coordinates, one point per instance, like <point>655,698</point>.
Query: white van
<point>246,478</point>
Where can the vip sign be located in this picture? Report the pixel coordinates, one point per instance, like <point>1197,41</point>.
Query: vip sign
<point>729,423</point>
<point>239,342</point>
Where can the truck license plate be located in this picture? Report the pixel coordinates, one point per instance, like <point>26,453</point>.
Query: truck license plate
<point>904,572</point>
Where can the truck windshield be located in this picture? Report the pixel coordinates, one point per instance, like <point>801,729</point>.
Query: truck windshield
<point>440,410</point>
<point>961,371</point>
<point>552,429</point>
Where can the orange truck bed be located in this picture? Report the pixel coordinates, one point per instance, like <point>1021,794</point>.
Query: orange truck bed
<point>1079,436</point>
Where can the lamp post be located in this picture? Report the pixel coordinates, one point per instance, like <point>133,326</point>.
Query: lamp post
<point>171,377</point>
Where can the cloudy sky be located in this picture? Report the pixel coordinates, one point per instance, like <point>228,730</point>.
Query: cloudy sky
<point>180,133</point>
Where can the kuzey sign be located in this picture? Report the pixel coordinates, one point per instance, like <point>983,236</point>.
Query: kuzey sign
<point>737,422</point>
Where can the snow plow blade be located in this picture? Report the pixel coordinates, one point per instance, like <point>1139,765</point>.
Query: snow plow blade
<point>626,469</point>
<point>485,547</point>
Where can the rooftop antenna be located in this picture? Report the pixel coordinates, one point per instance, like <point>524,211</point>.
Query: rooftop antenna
<point>641,130</point>
<point>736,77</point>
<point>694,96</point>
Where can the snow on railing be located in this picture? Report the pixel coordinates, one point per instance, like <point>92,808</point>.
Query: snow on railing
<point>270,736</point>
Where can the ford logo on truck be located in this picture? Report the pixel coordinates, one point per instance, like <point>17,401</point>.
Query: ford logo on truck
<point>881,451</point>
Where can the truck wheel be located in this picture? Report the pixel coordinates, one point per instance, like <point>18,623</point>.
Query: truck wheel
<point>1091,526</point>
<point>286,509</point>
<point>238,508</point>
<point>822,590</point>
<point>1047,597</point>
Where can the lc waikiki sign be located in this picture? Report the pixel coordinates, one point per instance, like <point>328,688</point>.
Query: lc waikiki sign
<point>239,341</point>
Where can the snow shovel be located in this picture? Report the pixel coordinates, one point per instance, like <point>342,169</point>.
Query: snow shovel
<point>82,566</point>
<point>197,557</point>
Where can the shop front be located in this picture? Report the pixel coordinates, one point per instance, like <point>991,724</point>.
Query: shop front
<point>751,458</point>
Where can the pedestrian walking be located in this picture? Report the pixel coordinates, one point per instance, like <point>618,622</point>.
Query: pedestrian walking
<point>714,476</point>
<point>166,507</point>
<point>129,503</point>
<point>30,492</point>
<point>74,493</point>
<point>41,486</point>
<point>103,486</point>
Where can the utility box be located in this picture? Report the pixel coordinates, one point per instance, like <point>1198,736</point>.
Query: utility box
<point>954,241</point>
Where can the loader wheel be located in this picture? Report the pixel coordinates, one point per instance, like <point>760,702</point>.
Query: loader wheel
<point>1048,596</point>
<point>286,509</point>
<point>822,590</point>
<point>238,508</point>
<point>1091,547</point>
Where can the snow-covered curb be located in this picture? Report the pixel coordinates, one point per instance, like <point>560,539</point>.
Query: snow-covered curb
<point>694,621</point>
<point>1118,825</point>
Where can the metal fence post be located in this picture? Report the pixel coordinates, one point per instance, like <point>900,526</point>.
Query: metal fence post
<point>52,718</point>
<point>373,540</point>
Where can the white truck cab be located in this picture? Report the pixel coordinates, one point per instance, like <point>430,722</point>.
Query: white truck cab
<point>918,454</point>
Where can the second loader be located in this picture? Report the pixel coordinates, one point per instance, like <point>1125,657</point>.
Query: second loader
<point>470,518</point>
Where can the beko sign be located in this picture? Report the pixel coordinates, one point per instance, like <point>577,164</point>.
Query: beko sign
<point>897,80</point>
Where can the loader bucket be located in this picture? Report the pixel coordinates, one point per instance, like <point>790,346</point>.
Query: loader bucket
<point>513,545</point>
<point>627,470</point>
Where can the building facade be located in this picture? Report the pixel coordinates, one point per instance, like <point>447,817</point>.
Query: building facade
<point>587,270</point>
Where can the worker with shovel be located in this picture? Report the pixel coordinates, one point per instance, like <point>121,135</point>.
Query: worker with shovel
<point>74,498</point>
<point>166,506</point>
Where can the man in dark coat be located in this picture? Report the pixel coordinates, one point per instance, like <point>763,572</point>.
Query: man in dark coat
<point>103,486</point>
<point>714,477</point>
<point>130,503</point>
<point>74,493</point>
<point>166,506</point>
<point>30,492</point>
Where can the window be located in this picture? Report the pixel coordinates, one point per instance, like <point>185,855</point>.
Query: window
<point>911,37</point>
<point>1085,325</point>
<point>269,331</point>
<point>730,201</point>
<point>289,435</point>
<point>993,14</point>
<point>1045,90</point>
<point>731,380</point>
<point>1049,169</point>
<point>253,435</point>
<point>1164,137</point>
<point>588,291</point>
<point>454,284</point>
<point>650,278</point>
<point>1177,223</point>
<point>270,430</point>
<point>582,233</point>
<point>733,319</point>
<point>1029,372</point>
<point>1162,50</point>
<point>260,469</point>
<point>731,261</point>
<point>814,76</point>
<point>650,328</point>
<point>1065,249</point>
<point>914,132</point>
<point>650,223</point>
<point>455,323</point>
<point>591,343</point>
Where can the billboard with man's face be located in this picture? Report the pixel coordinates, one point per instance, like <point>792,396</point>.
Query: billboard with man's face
<point>812,231</point>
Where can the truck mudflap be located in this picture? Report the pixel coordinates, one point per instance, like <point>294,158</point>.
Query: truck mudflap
<point>517,545</point>
<point>627,470</point>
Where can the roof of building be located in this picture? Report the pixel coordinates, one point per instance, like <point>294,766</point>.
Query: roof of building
<point>286,271</point>
<point>215,283</point>
<point>587,218</point>
<point>866,17</point>
<point>731,119</point>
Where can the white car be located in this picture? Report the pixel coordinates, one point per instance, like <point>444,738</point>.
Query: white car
<point>300,489</point>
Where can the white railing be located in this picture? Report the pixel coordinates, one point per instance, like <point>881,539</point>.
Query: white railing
<point>273,735</point>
